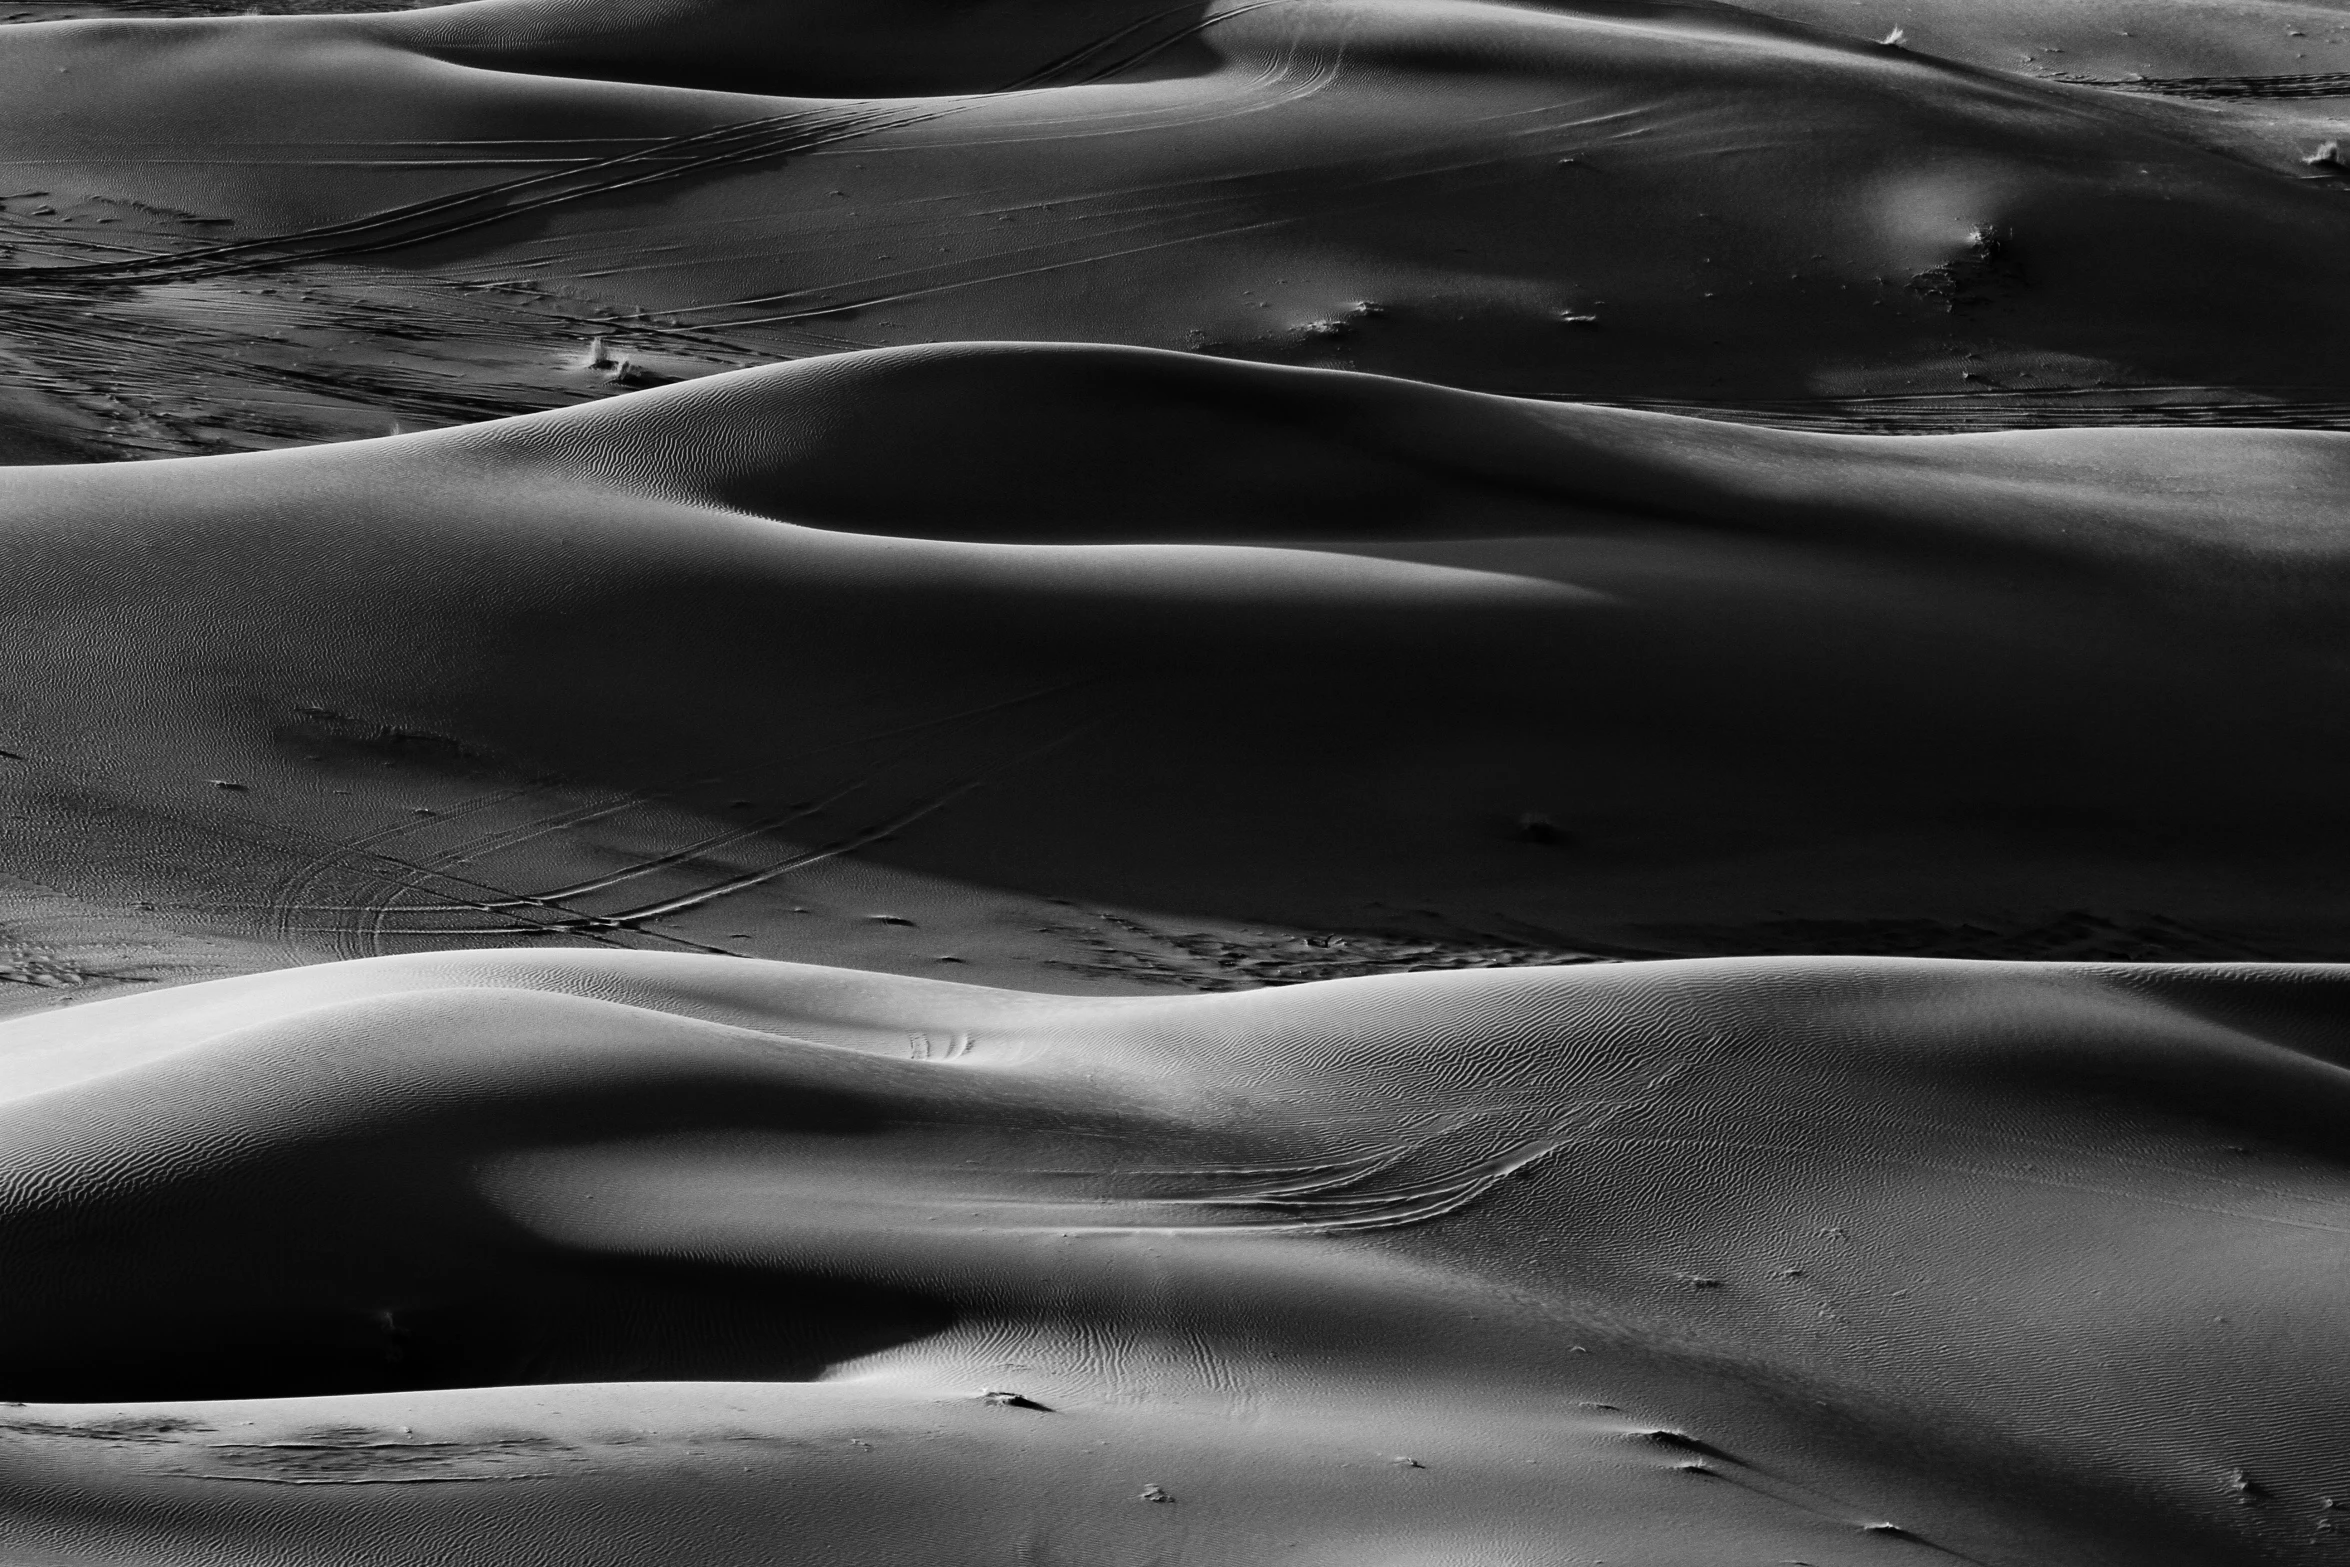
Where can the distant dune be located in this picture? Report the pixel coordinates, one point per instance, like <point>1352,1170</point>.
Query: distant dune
<point>239,231</point>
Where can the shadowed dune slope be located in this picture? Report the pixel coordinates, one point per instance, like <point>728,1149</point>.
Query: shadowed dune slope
<point>924,654</point>
<point>1846,1260</point>
<point>434,210</point>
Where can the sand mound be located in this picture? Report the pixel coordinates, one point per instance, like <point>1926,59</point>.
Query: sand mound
<point>1848,1260</point>
<point>1069,665</point>
<point>255,230</point>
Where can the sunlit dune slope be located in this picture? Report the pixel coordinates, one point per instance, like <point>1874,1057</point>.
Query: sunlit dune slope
<point>1844,1261</point>
<point>930,656</point>
<point>223,226</point>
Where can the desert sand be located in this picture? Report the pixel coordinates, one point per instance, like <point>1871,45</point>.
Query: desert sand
<point>1830,1260</point>
<point>845,660</point>
<point>230,232</point>
<point>1061,783</point>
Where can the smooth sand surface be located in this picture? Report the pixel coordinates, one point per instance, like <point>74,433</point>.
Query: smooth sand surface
<point>594,1257</point>
<point>852,660</point>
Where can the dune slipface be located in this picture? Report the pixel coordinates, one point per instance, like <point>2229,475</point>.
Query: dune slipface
<point>501,1257</point>
<point>247,230</point>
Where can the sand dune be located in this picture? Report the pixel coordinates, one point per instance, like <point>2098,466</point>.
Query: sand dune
<point>1080,783</point>
<point>273,228</point>
<point>852,660</point>
<point>1845,1261</point>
